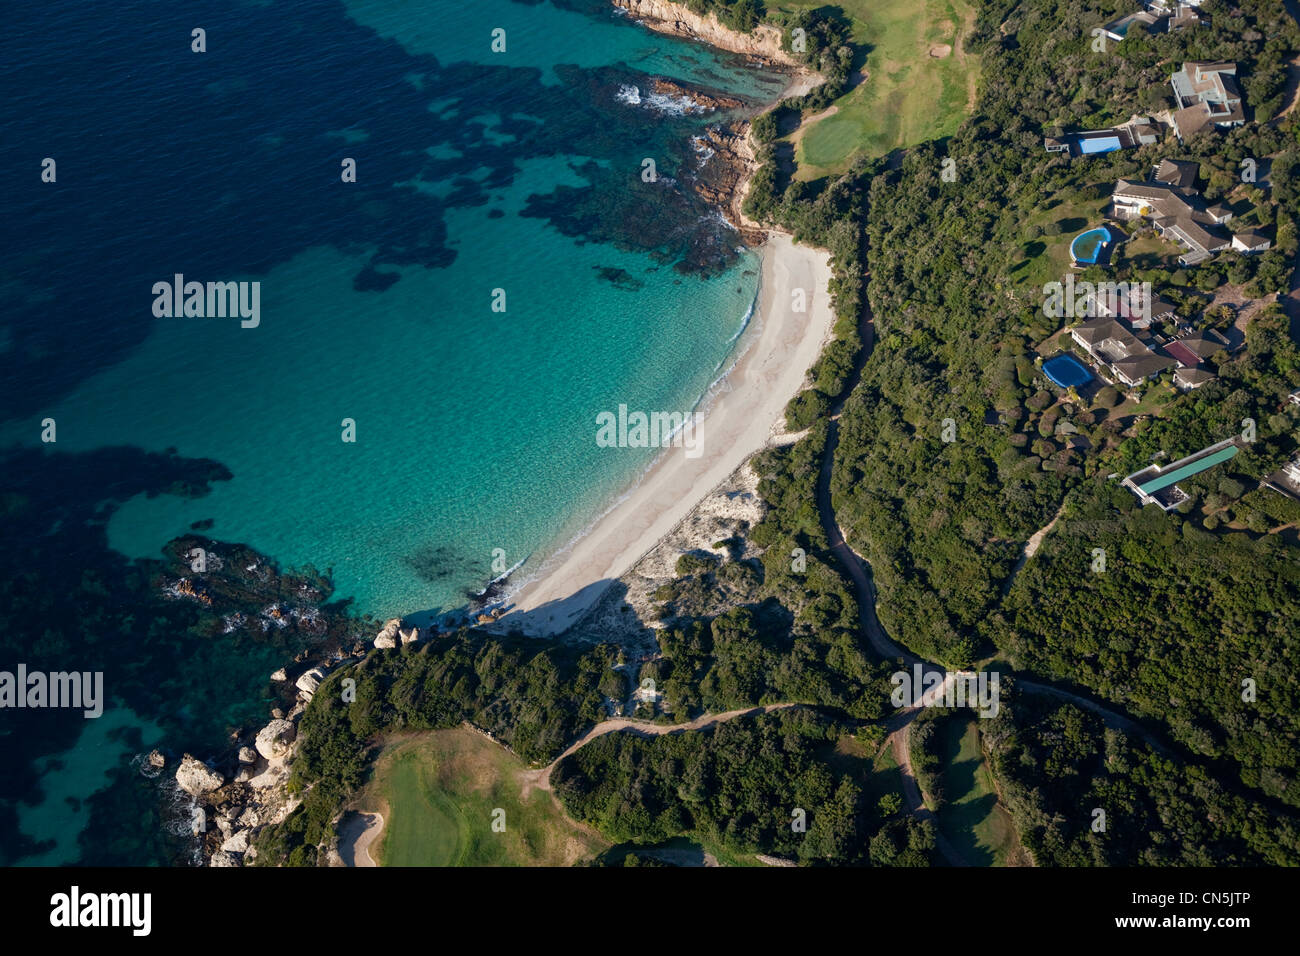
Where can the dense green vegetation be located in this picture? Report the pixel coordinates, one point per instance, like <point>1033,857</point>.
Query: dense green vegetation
<point>955,291</point>
<point>742,15</point>
<point>1173,626</point>
<point>533,697</point>
<point>796,638</point>
<point>1059,764</point>
<point>952,450</point>
<point>924,737</point>
<point>738,785</point>
<point>942,523</point>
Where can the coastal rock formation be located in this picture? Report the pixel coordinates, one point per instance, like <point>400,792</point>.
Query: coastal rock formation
<point>247,755</point>
<point>238,843</point>
<point>274,774</point>
<point>387,637</point>
<point>703,100</point>
<point>195,778</point>
<point>273,740</point>
<point>725,175</point>
<point>409,636</point>
<point>727,514</point>
<point>279,675</point>
<point>308,681</point>
<point>156,759</point>
<point>663,16</point>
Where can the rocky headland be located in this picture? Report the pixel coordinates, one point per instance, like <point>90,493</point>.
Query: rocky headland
<point>245,789</point>
<point>662,16</point>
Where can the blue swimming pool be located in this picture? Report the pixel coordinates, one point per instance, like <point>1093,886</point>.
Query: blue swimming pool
<point>1066,371</point>
<point>1087,247</point>
<point>1100,144</point>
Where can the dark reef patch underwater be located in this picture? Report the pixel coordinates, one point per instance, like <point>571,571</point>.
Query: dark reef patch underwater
<point>159,163</point>
<point>189,659</point>
<point>227,166</point>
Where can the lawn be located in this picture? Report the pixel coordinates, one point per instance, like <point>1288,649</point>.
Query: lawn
<point>972,818</point>
<point>921,83</point>
<point>1046,258</point>
<point>437,792</point>
<point>1151,252</point>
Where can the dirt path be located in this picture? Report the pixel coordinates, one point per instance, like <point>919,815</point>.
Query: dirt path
<point>1031,547</point>
<point>913,799</point>
<point>1292,93</point>
<point>541,779</point>
<point>356,834</point>
<point>858,570</point>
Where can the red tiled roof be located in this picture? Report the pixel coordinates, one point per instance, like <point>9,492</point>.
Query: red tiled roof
<point>1184,356</point>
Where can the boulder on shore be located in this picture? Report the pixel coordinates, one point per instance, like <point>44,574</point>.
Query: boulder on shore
<point>194,777</point>
<point>274,739</point>
<point>156,759</point>
<point>238,843</point>
<point>388,636</point>
<point>308,681</point>
<point>247,755</point>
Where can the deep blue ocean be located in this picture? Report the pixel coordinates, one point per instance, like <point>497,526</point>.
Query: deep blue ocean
<point>480,176</point>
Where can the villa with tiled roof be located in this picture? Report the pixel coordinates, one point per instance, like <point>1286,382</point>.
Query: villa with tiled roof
<point>1207,95</point>
<point>1175,210</point>
<point>1112,345</point>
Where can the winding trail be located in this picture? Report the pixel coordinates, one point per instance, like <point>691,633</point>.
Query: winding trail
<point>899,726</point>
<point>1291,94</point>
<point>541,779</point>
<point>859,570</point>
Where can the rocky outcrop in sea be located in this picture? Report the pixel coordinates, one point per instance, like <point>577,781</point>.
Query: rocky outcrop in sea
<point>245,790</point>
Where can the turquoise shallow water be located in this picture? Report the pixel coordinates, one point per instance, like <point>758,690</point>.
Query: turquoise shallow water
<point>472,435</point>
<point>475,429</point>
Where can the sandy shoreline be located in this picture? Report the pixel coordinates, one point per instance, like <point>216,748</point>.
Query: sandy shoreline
<point>777,350</point>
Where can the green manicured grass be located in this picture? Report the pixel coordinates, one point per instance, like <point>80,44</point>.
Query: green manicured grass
<point>910,97</point>
<point>424,827</point>
<point>971,817</point>
<point>438,792</point>
<point>1047,258</point>
<point>1151,252</point>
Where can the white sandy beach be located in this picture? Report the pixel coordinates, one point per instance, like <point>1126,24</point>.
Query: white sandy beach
<point>748,409</point>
